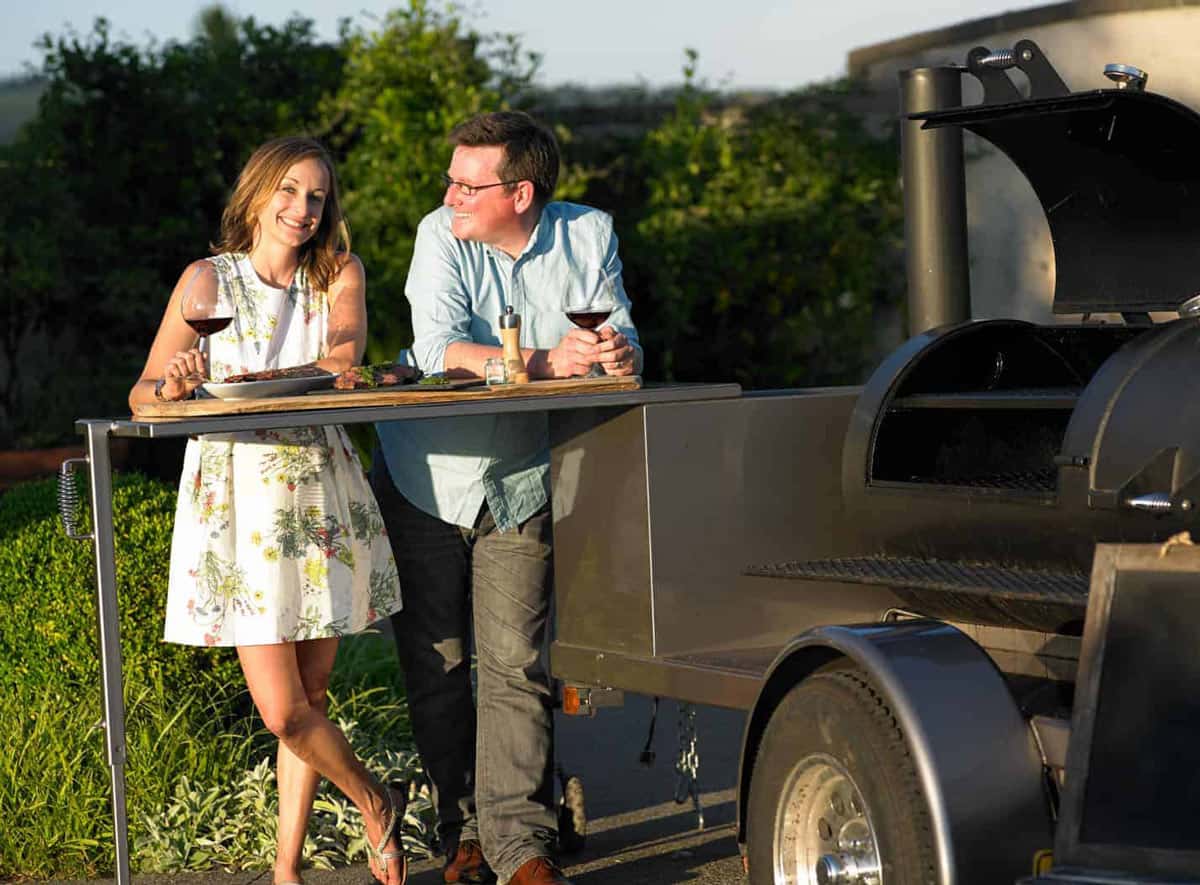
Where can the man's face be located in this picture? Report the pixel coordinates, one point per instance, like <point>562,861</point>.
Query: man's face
<point>489,216</point>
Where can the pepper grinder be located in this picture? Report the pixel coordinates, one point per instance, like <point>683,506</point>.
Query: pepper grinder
<point>510,337</point>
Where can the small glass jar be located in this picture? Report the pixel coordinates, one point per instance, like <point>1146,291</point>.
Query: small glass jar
<point>494,371</point>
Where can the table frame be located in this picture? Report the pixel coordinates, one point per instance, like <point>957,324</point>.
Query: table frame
<point>100,431</point>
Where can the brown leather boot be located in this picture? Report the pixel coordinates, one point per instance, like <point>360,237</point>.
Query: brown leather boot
<point>539,871</point>
<point>468,865</point>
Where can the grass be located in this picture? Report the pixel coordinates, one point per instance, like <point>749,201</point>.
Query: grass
<point>199,786</point>
<point>55,796</point>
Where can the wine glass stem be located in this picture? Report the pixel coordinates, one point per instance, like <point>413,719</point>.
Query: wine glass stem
<point>202,346</point>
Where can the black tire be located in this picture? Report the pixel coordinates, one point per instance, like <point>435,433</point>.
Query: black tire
<point>835,719</point>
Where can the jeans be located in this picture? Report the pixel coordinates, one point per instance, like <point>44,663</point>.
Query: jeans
<point>491,768</point>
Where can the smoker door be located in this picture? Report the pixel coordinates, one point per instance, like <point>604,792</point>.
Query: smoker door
<point>1116,174</point>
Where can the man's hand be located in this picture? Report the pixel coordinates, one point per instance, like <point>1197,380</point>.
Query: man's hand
<point>573,356</point>
<point>615,353</point>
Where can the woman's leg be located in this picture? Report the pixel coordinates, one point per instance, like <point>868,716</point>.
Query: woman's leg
<point>273,677</point>
<point>298,780</point>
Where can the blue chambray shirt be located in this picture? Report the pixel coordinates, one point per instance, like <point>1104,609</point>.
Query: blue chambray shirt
<point>457,290</point>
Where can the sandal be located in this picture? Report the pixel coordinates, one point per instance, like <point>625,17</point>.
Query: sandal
<point>395,816</point>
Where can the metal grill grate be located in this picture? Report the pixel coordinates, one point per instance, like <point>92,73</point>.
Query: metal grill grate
<point>936,574</point>
<point>1028,480</point>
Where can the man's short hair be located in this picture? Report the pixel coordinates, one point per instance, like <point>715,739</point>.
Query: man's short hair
<point>530,149</point>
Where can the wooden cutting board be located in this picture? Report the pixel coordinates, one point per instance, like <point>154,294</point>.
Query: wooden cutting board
<point>408,394</point>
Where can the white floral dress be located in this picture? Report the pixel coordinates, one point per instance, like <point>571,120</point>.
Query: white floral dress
<point>277,535</point>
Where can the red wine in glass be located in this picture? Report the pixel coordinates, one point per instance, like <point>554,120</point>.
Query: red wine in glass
<point>209,326</point>
<point>590,305</point>
<point>588,318</point>
<point>205,307</point>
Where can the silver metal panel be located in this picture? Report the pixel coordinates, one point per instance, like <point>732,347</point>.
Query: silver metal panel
<point>657,514</point>
<point>601,553</point>
<point>747,482</point>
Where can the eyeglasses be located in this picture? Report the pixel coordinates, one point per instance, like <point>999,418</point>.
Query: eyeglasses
<point>470,190</point>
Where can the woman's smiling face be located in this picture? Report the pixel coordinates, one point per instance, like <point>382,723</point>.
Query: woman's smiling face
<point>293,213</point>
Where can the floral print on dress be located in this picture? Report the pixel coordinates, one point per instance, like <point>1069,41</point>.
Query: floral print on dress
<point>208,487</point>
<point>365,521</point>
<point>299,530</point>
<point>311,625</point>
<point>297,462</point>
<point>277,535</point>
<point>220,591</point>
<point>381,590</point>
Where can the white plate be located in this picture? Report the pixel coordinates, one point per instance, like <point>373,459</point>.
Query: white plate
<point>263,389</point>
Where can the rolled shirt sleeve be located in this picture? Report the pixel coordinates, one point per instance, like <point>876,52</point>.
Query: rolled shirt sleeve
<point>437,295</point>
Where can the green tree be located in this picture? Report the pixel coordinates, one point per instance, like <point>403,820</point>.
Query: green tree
<point>125,170</point>
<point>405,86</point>
<point>36,216</point>
<point>770,235</point>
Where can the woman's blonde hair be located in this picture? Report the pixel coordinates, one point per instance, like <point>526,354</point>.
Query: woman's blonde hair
<point>323,254</point>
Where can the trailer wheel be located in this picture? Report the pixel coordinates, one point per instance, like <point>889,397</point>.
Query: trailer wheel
<point>834,796</point>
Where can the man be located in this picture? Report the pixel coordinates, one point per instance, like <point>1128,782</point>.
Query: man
<point>466,499</point>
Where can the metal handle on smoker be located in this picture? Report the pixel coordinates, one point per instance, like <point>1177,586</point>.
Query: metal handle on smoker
<point>1156,502</point>
<point>68,499</point>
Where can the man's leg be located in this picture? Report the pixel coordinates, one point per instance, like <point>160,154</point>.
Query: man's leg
<point>432,641</point>
<point>515,790</point>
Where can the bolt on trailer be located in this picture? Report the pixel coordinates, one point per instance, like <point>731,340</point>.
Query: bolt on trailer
<point>958,604</point>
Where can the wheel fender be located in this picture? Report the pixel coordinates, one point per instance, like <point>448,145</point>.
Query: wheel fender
<point>974,752</point>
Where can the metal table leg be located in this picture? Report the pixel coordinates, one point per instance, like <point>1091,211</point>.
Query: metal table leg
<point>110,641</point>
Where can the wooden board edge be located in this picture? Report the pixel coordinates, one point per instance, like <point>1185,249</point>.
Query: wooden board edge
<point>313,402</point>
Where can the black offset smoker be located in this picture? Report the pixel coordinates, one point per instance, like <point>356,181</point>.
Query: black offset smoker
<point>917,618</point>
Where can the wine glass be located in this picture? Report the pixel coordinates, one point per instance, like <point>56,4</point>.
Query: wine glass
<point>205,307</point>
<point>589,303</point>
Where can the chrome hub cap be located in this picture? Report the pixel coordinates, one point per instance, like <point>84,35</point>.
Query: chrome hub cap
<point>823,832</point>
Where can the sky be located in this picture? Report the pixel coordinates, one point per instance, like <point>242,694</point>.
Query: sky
<point>779,44</point>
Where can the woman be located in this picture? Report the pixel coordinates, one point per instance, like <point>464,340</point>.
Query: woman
<point>279,548</point>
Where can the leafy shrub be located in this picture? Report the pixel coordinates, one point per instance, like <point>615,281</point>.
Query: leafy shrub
<point>770,236</point>
<point>49,635</point>
<point>199,788</point>
<point>231,824</point>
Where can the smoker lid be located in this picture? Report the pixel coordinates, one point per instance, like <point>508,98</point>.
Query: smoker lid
<point>1118,175</point>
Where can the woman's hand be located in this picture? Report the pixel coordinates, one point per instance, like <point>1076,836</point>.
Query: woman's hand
<point>183,373</point>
